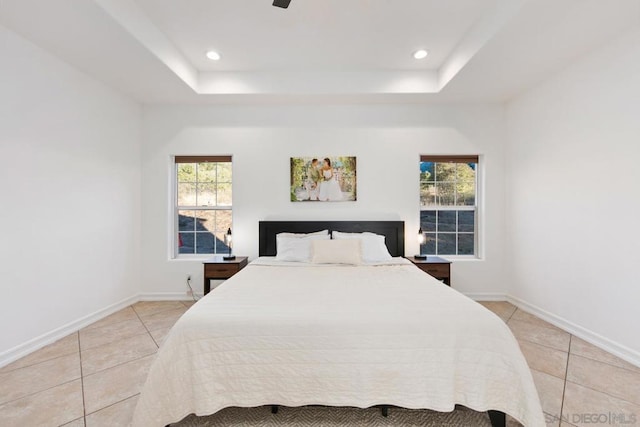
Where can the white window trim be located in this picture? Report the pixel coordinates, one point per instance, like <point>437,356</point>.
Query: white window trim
<point>477,256</point>
<point>174,250</point>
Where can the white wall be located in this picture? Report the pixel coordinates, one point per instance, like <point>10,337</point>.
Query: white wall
<point>387,141</point>
<point>69,194</point>
<point>573,201</point>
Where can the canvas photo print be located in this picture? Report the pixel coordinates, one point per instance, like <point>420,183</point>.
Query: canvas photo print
<point>323,179</point>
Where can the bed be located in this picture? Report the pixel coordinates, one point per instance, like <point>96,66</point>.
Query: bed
<point>293,334</point>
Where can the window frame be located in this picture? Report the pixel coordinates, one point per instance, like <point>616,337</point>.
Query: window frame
<point>455,208</point>
<point>175,209</point>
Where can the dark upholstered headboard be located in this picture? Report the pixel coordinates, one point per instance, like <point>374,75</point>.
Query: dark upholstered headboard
<point>393,231</point>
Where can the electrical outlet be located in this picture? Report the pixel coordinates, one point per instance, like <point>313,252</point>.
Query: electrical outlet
<point>189,290</point>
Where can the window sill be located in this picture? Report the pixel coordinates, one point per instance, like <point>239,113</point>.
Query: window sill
<point>457,258</point>
<point>186,257</point>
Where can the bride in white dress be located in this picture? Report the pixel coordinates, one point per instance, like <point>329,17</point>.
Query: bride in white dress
<point>329,188</point>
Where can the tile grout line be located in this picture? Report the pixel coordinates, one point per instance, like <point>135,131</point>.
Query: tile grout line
<point>120,364</point>
<point>38,363</point>
<point>575,354</point>
<point>534,342</point>
<point>159,311</point>
<point>57,385</point>
<point>125,337</point>
<point>603,392</point>
<point>552,328</point>
<point>545,373</point>
<point>566,372</point>
<point>120,401</point>
<point>112,404</point>
<point>543,345</point>
<point>154,341</point>
<point>584,385</point>
<point>53,386</point>
<point>91,327</point>
<point>145,327</point>
<point>148,332</point>
<point>84,407</point>
<point>115,341</point>
<point>39,391</point>
<point>606,363</point>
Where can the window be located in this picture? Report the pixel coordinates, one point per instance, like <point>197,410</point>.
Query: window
<point>203,204</point>
<point>448,204</point>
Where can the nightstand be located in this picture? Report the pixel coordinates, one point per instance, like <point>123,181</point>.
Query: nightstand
<point>218,268</point>
<point>435,266</point>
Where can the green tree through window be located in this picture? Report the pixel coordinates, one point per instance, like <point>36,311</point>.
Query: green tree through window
<point>203,210</point>
<point>448,204</point>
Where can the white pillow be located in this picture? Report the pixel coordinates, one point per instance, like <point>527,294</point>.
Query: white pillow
<point>345,251</point>
<point>296,248</point>
<point>373,246</point>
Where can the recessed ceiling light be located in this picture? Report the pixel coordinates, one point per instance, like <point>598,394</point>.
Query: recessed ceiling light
<point>420,54</point>
<point>213,55</point>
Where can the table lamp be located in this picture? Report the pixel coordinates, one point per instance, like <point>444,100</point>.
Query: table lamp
<point>421,240</point>
<point>228,238</point>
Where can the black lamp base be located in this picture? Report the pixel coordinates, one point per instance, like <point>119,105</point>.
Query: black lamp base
<point>229,257</point>
<point>420,257</point>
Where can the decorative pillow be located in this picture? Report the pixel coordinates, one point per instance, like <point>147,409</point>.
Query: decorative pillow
<point>374,248</point>
<point>346,251</point>
<point>296,249</point>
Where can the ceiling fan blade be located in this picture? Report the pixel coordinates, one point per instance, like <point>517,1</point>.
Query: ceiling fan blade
<point>281,3</point>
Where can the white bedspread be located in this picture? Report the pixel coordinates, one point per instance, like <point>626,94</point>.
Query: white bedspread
<point>337,336</point>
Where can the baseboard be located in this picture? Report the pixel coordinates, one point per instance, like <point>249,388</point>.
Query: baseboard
<point>166,296</point>
<point>37,343</point>
<point>486,296</point>
<point>623,352</point>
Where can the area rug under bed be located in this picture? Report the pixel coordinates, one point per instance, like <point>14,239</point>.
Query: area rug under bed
<point>316,416</point>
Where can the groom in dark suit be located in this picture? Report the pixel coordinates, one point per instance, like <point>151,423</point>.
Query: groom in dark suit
<point>314,176</point>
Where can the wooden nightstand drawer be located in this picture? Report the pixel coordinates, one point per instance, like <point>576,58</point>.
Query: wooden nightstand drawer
<point>219,268</point>
<point>436,270</point>
<point>434,266</point>
<point>221,271</point>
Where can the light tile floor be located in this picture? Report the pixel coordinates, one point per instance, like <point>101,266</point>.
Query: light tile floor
<point>93,377</point>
